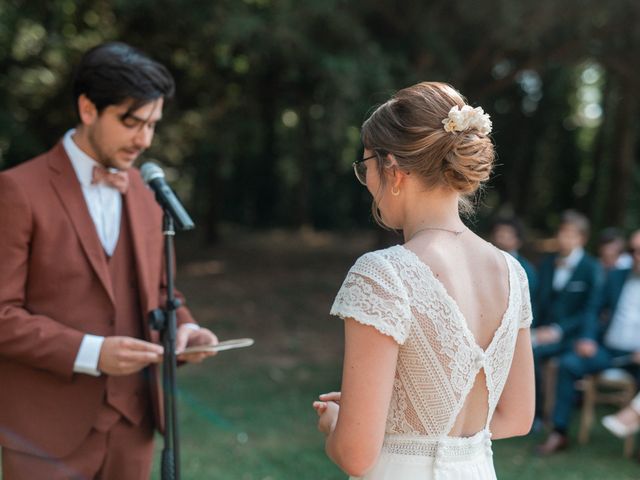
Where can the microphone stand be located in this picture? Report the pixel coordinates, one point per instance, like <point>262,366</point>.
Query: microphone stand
<point>164,320</point>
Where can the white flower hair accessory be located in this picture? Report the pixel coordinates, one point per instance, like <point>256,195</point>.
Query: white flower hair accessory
<point>465,118</point>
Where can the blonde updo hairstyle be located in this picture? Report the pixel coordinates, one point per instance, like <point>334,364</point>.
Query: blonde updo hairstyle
<point>410,127</point>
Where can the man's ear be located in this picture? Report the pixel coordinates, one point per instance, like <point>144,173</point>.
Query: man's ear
<point>87,110</point>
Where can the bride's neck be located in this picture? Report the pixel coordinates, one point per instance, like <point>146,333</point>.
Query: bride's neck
<point>432,210</point>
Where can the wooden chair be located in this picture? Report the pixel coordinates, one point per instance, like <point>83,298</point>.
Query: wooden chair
<point>611,387</point>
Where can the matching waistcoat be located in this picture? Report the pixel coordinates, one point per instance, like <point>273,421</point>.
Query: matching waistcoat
<point>127,395</point>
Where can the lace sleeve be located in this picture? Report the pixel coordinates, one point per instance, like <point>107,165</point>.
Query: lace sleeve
<point>373,294</point>
<point>526,315</point>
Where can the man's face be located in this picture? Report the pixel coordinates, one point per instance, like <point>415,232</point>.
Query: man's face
<point>610,252</point>
<point>117,138</point>
<point>506,238</point>
<point>569,238</point>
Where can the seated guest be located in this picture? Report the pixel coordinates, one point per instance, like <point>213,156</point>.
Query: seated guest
<point>568,284</point>
<point>507,234</point>
<point>600,345</point>
<point>611,250</point>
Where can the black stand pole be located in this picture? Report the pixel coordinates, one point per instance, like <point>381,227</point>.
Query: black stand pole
<point>164,321</point>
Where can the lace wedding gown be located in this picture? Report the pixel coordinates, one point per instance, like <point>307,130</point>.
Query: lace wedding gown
<point>394,291</point>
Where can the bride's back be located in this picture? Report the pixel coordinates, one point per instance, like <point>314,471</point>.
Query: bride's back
<point>476,277</point>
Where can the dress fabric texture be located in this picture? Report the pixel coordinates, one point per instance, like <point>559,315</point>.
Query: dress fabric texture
<point>394,291</point>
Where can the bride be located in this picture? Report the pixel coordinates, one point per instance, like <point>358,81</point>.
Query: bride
<point>438,355</point>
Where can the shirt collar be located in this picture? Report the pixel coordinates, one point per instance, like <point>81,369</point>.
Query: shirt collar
<point>573,259</point>
<point>82,163</point>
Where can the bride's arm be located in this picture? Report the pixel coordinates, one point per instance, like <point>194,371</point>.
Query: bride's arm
<point>367,381</point>
<point>516,407</point>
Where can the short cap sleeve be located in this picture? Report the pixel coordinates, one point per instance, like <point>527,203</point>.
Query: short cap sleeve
<point>373,294</point>
<point>526,315</point>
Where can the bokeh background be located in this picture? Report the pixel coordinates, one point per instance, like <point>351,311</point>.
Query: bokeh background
<point>259,143</point>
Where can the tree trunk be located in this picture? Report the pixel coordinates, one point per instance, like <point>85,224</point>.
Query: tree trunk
<point>265,183</point>
<point>624,142</point>
<point>305,162</point>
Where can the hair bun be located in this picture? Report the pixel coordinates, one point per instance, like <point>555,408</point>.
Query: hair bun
<point>469,162</point>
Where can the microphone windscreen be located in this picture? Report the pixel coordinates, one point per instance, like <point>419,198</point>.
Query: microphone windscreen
<point>150,171</point>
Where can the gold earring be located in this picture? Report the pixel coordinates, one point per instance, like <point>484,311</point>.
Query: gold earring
<point>395,191</point>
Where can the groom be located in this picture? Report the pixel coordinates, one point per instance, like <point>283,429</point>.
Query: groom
<point>81,265</point>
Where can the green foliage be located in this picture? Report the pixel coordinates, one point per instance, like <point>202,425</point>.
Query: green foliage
<point>271,95</point>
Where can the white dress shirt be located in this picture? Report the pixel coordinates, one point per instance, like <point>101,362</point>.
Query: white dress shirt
<point>624,331</point>
<point>625,260</point>
<point>105,207</point>
<point>563,272</point>
<point>104,202</point>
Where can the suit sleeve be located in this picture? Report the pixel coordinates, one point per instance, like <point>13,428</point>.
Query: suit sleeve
<point>35,340</point>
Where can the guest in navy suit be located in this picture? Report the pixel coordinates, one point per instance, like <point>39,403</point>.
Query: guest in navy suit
<point>600,343</point>
<point>568,287</point>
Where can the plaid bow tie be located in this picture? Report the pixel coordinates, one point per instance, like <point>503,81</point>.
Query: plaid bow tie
<point>117,180</point>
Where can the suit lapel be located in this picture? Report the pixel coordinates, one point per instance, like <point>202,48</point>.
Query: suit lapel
<point>66,184</point>
<point>547,275</point>
<point>138,219</point>
<point>619,285</point>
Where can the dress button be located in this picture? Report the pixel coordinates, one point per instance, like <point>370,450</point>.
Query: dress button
<point>479,359</point>
<point>437,464</point>
<point>487,444</point>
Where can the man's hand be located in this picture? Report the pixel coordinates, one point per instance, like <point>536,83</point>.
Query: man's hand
<point>547,334</point>
<point>586,348</point>
<point>187,336</point>
<point>127,355</point>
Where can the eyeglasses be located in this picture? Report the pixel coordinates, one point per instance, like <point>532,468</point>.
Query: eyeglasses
<point>360,168</point>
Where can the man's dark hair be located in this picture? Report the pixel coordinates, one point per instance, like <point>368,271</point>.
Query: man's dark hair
<point>511,222</point>
<point>610,235</point>
<point>114,72</point>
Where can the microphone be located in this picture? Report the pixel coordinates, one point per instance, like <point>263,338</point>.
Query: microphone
<point>153,176</point>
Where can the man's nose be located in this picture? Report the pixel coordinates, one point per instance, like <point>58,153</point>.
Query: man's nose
<point>144,137</point>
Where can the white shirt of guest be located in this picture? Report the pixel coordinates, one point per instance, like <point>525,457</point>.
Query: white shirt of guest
<point>563,272</point>
<point>625,260</point>
<point>624,331</point>
<point>105,207</point>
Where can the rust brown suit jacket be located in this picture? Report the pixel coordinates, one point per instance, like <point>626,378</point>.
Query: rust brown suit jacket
<point>54,288</point>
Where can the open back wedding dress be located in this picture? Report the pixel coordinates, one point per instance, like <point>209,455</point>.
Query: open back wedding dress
<point>439,360</point>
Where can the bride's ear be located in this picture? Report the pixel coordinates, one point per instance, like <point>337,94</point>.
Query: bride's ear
<point>395,175</point>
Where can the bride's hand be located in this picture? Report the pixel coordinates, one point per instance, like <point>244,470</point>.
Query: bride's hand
<point>331,397</point>
<point>328,413</point>
<point>321,405</point>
